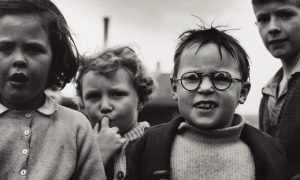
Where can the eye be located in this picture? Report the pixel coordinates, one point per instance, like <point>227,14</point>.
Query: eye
<point>285,14</point>
<point>34,49</point>
<point>92,96</point>
<point>222,77</point>
<point>190,77</point>
<point>6,48</point>
<point>262,18</point>
<point>118,94</point>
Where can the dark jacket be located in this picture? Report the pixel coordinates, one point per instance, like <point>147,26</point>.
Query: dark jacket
<point>287,130</point>
<point>109,169</point>
<point>151,157</point>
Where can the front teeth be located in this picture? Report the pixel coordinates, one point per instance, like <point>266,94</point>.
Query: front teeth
<point>206,105</point>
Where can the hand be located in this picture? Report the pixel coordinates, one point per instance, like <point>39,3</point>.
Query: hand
<point>109,141</point>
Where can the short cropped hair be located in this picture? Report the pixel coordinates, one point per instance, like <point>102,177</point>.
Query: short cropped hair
<point>261,2</point>
<point>65,55</point>
<point>110,61</point>
<point>203,36</point>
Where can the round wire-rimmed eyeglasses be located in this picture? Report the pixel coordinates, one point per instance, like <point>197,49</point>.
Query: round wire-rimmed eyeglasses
<point>221,80</point>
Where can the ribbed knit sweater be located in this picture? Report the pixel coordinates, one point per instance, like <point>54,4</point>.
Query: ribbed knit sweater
<point>211,154</point>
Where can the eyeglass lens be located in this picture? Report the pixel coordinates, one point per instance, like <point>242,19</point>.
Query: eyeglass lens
<point>192,80</point>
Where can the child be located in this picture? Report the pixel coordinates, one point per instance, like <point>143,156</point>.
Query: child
<point>278,22</point>
<point>209,140</point>
<point>113,86</point>
<point>40,139</point>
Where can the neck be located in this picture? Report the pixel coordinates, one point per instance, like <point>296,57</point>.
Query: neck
<point>31,105</point>
<point>288,64</point>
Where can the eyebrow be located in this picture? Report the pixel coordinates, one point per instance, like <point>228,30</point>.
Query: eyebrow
<point>31,42</point>
<point>37,45</point>
<point>92,92</point>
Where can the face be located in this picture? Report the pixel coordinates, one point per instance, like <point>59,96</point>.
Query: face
<point>25,59</point>
<point>113,97</point>
<point>207,107</point>
<point>279,27</point>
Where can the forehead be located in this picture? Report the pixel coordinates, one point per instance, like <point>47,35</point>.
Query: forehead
<point>118,78</point>
<point>206,58</point>
<point>21,24</point>
<point>274,6</point>
<point>19,19</point>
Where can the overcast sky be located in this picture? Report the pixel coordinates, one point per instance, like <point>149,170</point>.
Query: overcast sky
<point>153,26</point>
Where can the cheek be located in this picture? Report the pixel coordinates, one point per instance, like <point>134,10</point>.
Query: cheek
<point>127,110</point>
<point>230,100</point>
<point>91,112</point>
<point>185,101</point>
<point>262,32</point>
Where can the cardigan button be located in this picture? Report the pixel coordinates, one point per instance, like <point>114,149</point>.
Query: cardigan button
<point>120,175</point>
<point>23,172</point>
<point>28,115</point>
<point>26,132</point>
<point>25,151</point>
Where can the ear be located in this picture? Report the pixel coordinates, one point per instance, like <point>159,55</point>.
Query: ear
<point>244,92</point>
<point>174,90</point>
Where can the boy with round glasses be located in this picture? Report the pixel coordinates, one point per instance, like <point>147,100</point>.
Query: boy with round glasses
<point>209,140</point>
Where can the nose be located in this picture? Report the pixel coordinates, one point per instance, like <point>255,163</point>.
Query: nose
<point>105,106</point>
<point>206,87</point>
<point>274,26</point>
<point>19,60</point>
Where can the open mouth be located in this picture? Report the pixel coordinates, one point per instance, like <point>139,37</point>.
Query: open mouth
<point>206,105</point>
<point>18,77</point>
<point>277,41</point>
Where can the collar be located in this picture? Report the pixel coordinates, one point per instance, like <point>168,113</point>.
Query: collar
<point>137,132</point>
<point>271,87</point>
<point>48,108</point>
<point>234,131</point>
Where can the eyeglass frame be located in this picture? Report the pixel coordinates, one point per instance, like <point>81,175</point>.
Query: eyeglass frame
<point>200,74</point>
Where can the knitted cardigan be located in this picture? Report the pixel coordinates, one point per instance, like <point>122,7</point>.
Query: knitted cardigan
<point>151,155</point>
<point>287,130</point>
<point>53,142</point>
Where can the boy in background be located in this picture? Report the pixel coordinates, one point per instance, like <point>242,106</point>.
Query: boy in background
<point>278,22</point>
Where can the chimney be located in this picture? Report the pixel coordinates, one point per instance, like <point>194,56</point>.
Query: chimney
<point>106,23</point>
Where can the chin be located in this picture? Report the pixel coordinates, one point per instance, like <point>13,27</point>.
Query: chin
<point>17,99</point>
<point>201,122</point>
<point>280,54</point>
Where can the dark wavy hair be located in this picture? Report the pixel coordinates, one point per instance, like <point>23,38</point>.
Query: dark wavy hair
<point>261,2</point>
<point>110,61</point>
<point>65,54</point>
<point>203,36</point>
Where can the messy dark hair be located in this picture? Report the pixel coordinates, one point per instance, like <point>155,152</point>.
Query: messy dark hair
<point>203,36</point>
<point>64,52</point>
<point>110,61</point>
<point>261,2</point>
